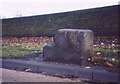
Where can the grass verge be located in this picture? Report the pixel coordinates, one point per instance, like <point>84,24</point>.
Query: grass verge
<point>18,51</point>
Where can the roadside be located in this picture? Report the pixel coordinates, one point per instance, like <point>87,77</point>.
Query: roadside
<point>19,76</point>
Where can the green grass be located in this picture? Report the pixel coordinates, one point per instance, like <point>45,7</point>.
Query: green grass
<point>105,51</point>
<point>18,51</point>
<point>111,62</point>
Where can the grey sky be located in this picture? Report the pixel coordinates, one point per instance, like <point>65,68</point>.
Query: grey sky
<point>14,8</point>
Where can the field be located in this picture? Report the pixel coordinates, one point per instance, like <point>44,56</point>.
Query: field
<point>106,49</point>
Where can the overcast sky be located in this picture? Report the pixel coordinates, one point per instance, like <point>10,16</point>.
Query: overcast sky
<point>15,8</point>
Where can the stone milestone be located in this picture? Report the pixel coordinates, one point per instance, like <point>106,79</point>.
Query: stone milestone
<point>70,46</point>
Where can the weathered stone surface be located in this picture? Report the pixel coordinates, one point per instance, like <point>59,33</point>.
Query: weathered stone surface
<point>72,45</point>
<point>49,51</point>
<point>73,39</point>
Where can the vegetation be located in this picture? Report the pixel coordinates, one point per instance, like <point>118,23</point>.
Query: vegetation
<point>103,21</point>
<point>105,55</point>
<point>13,51</point>
<point>19,51</point>
<point>106,52</point>
<point>22,47</point>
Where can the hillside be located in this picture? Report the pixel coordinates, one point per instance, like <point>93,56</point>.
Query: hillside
<point>103,21</point>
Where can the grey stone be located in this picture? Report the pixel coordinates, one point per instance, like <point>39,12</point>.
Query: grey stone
<point>106,76</point>
<point>49,51</point>
<point>71,45</point>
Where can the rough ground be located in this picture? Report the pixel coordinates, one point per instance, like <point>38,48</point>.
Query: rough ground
<point>18,76</point>
<point>106,49</point>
